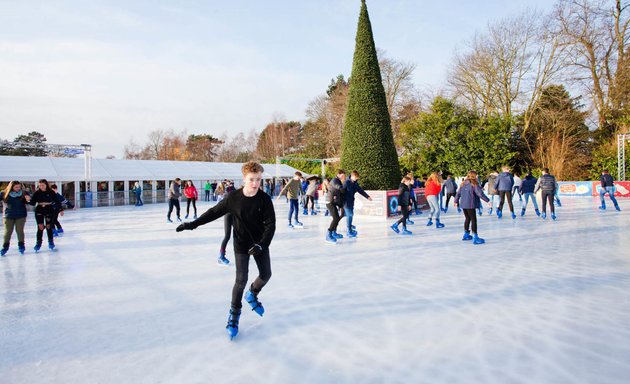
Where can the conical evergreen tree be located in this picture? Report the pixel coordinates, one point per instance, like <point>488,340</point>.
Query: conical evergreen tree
<point>368,142</point>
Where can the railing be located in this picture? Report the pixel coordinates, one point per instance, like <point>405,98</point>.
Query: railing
<point>116,198</point>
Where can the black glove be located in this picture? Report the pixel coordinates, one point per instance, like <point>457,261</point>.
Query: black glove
<point>255,250</point>
<point>185,226</point>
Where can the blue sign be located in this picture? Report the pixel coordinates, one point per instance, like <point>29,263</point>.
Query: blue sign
<point>69,151</point>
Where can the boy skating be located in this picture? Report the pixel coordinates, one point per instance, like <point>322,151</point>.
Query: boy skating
<point>254,227</point>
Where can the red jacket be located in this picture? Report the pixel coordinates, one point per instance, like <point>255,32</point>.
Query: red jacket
<point>190,192</point>
<point>432,188</point>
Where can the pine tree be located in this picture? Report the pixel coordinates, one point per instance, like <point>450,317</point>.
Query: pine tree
<point>367,140</point>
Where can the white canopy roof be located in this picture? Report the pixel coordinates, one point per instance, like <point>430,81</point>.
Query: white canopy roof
<point>73,169</point>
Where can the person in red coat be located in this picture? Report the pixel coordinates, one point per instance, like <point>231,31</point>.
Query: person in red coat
<point>190,192</point>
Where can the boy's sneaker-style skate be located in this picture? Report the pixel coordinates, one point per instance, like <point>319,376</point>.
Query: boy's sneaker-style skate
<point>394,227</point>
<point>331,238</point>
<point>430,222</point>
<point>467,236</point>
<point>337,235</point>
<point>256,305</point>
<point>477,239</point>
<point>232,324</point>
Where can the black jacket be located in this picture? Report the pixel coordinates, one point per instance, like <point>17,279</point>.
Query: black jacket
<point>254,218</point>
<point>403,195</point>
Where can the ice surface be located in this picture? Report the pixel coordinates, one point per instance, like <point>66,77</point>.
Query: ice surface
<point>126,299</point>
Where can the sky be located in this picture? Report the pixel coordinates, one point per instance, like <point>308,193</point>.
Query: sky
<point>105,73</point>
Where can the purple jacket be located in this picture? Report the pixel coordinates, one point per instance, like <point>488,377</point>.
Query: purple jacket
<point>468,196</point>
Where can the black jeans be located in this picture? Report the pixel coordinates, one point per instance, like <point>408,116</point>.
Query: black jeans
<point>471,219</point>
<point>45,219</point>
<point>263,262</point>
<point>502,196</point>
<point>548,196</point>
<point>227,226</point>
<point>194,203</point>
<point>334,212</point>
<point>404,211</point>
<point>448,198</point>
<point>312,200</point>
<point>173,203</point>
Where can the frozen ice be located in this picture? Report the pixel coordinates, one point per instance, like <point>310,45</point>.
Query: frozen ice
<point>126,299</point>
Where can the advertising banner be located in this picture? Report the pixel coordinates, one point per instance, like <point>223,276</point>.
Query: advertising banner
<point>376,207</point>
<point>575,188</point>
<point>622,188</point>
<point>392,201</point>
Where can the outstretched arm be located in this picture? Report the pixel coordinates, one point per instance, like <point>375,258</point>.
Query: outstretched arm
<point>210,215</point>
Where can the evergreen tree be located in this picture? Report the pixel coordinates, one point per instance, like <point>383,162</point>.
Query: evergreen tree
<point>367,139</point>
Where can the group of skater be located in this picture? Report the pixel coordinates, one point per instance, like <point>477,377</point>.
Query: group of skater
<point>49,205</point>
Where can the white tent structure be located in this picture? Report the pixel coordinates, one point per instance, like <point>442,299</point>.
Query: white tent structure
<point>111,180</point>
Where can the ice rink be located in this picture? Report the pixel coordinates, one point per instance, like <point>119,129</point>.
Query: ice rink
<point>126,299</point>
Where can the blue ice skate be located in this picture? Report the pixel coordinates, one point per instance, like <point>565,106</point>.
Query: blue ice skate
<point>410,222</point>
<point>467,236</point>
<point>438,224</point>
<point>60,230</point>
<point>337,235</point>
<point>37,247</point>
<point>405,232</point>
<point>232,324</point>
<point>313,213</point>
<point>544,215</point>
<point>477,239</point>
<point>168,220</point>
<point>553,216</point>
<point>602,207</point>
<point>617,207</point>
<point>21,248</point>
<point>55,233</point>
<point>537,212</point>
<point>51,245</point>
<point>513,216</point>
<point>298,224</point>
<point>331,238</point>
<point>291,226</point>
<point>394,227</point>
<point>4,250</point>
<point>523,212</point>
<point>490,211</point>
<point>256,305</point>
<point>351,234</point>
<point>222,260</point>
<point>430,222</point>
<point>499,213</point>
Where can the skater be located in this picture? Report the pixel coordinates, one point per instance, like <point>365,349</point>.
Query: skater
<point>490,183</point>
<point>334,202</point>
<point>404,201</point>
<point>528,185</point>
<point>432,189</point>
<point>449,189</point>
<point>254,227</point>
<point>607,187</point>
<point>467,197</point>
<point>44,199</point>
<point>173,199</point>
<point>208,190</point>
<point>311,190</point>
<point>219,191</point>
<point>547,184</point>
<point>228,223</point>
<point>304,198</point>
<point>59,208</point>
<point>517,187</point>
<point>505,185</point>
<point>190,192</point>
<point>324,188</point>
<point>14,200</point>
<point>137,190</point>
<point>351,186</point>
<point>414,199</point>
<point>292,191</point>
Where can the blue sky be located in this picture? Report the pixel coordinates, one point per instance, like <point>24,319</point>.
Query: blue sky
<point>105,72</point>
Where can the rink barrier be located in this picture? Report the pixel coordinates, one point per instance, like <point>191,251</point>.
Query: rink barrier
<point>622,188</point>
<point>385,203</point>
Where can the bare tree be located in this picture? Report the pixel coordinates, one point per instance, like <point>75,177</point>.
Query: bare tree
<point>597,34</point>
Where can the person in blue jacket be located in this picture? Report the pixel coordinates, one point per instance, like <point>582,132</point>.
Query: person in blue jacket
<point>527,190</point>
<point>351,187</point>
<point>505,185</point>
<point>404,203</point>
<point>607,187</point>
<point>59,207</point>
<point>468,198</point>
<point>14,200</point>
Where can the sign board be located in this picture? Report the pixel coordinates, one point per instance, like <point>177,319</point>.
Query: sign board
<point>622,188</point>
<point>575,188</point>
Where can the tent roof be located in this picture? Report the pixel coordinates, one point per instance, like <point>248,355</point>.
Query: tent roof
<point>72,169</point>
